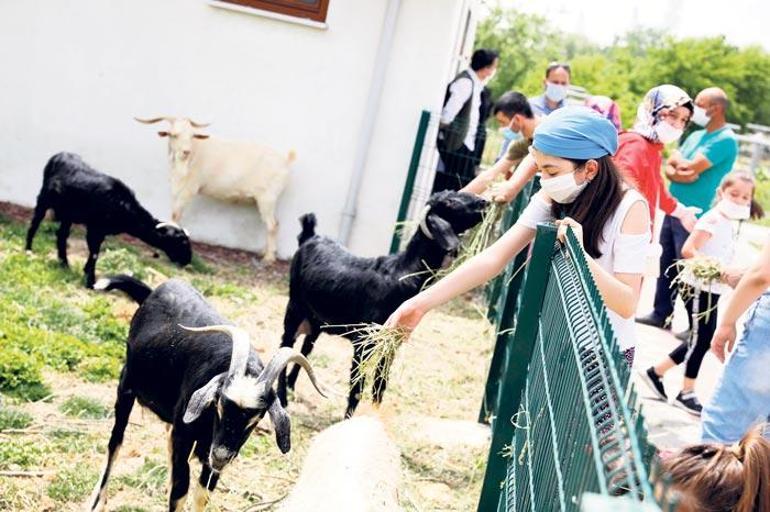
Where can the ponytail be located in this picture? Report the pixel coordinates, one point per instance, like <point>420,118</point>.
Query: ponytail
<point>754,452</point>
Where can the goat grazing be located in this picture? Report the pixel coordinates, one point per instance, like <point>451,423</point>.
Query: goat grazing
<point>330,288</point>
<point>79,194</point>
<point>226,170</point>
<point>198,374</point>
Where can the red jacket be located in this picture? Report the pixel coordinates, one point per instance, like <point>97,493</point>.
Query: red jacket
<point>640,162</point>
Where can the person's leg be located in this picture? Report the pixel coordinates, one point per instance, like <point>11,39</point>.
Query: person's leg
<point>676,356</point>
<point>664,300</point>
<point>707,325</point>
<point>742,394</point>
<point>679,236</point>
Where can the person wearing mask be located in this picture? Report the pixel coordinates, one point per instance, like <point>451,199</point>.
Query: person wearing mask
<point>522,123</point>
<point>556,84</point>
<point>582,188</point>
<point>460,120</point>
<point>503,111</point>
<point>695,171</point>
<point>607,107</point>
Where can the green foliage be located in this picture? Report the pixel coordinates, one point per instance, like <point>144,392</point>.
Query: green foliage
<point>122,260</point>
<point>626,70</point>
<point>19,454</point>
<point>20,375</point>
<point>14,419</point>
<point>72,484</point>
<point>150,478</point>
<point>84,407</point>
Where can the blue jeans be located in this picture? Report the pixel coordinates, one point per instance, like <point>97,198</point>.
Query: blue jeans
<point>742,395</point>
<point>672,238</point>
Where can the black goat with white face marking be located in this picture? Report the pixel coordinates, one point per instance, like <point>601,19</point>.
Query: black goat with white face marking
<point>329,286</point>
<point>206,381</point>
<point>79,194</point>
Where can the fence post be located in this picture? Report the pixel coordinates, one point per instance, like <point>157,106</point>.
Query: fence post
<point>517,361</point>
<point>411,175</point>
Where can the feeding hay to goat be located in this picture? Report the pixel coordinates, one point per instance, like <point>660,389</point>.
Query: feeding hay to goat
<point>696,275</point>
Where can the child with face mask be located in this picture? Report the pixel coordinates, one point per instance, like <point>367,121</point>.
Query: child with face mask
<point>714,237</point>
<point>581,188</point>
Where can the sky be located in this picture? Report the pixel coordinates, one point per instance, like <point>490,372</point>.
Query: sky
<point>742,22</point>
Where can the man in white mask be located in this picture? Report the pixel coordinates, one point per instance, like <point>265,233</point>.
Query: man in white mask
<point>556,84</point>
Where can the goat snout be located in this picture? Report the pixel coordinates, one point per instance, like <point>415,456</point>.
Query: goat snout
<point>220,457</point>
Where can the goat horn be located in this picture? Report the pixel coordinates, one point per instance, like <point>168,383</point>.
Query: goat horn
<point>167,224</point>
<point>198,125</point>
<point>280,361</point>
<point>241,346</point>
<point>155,119</point>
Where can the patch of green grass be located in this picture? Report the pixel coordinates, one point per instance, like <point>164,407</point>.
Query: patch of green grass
<point>84,407</point>
<point>150,478</point>
<point>212,288</point>
<point>73,441</point>
<point>72,484</point>
<point>129,508</point>
<point>122,260</point>
<point>20,375</point>
<point>14,419</point>
<point>19,454</point>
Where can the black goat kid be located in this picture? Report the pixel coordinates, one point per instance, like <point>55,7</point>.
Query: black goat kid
<point>79,194</point>
<point>206,380</point>
<point>331,287</point>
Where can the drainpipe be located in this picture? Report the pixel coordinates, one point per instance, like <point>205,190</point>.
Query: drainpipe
<point>370,116</point>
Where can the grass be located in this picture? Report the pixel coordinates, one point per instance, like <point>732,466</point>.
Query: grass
<point>84,407</point>
<point>378,351</point>
<point>72,484</point>
<point>12,419</point>
<point>19,454</point>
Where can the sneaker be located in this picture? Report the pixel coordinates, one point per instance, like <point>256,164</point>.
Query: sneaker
<point>653,320</point>
<point>683,336</point>
<point>654,382</point>
<point>688,402</point>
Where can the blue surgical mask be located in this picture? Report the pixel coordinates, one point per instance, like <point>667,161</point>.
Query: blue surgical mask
<point>509,134</point>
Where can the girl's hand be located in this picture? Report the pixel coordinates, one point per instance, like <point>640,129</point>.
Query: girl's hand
<point>561,234</point>
<point>407,316</point>
<point>724,337</point>
<point>731,276</point>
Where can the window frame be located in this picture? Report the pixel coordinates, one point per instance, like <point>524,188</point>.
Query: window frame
<point>287,7</point>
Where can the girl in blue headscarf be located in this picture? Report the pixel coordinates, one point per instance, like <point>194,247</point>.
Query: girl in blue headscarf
<point>581,187</point>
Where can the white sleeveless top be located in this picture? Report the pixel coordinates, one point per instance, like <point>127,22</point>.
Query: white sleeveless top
<point>621,253</point>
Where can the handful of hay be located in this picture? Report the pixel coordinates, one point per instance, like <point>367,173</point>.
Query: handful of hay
<point>378,350</point>
<point>475,240</point>
<point>704,271</point>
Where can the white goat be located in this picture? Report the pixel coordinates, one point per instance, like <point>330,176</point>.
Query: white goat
<point>223,169</point>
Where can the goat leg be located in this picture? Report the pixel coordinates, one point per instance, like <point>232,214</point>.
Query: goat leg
<point>94,241</point>
<point>380,383</point>
<point>181,446</point>
<point>123,405</point>
<point>37,218</point>
<point>292,320</point>
<point>356,384</point>
<point>307,346</point>
<point>61,242</point>
<point>206,484</point>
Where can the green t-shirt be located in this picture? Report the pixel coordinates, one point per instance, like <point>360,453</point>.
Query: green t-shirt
<point>721,149</point>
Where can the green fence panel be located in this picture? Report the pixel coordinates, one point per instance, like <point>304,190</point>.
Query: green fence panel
<point>564,424</point>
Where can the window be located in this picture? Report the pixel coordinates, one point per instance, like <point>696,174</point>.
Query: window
<point>311,9</point>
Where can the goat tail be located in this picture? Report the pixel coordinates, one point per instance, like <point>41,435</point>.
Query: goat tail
<point>291,156</point>
<point>308,222</point>
<point>131,286</point>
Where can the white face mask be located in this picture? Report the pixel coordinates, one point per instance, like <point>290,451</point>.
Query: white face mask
<point>667,133</point>
<point>562,189</point>
<point>733,210</point>
<point>490,77</point>
<point>555,92</point>
<point>700,117</point>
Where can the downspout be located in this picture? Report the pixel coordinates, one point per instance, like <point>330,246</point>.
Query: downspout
<point>370,117</point>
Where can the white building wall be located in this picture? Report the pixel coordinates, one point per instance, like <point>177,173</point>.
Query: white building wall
<point>74,73</point>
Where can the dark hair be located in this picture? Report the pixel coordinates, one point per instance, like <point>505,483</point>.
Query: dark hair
<point>557,65</point>
<point>512,103</point>
<point>483,57</point>
<point>595,204</point>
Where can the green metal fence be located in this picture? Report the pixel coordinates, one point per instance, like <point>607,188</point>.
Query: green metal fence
<point>564,422</point>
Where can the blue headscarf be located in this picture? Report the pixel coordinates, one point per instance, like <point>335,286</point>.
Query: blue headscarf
<point>577,133</point>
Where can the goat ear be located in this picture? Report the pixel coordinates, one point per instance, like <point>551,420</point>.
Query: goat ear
<point>163,133</point>
<point>202,398</point>
<point>443,233</point>
<point>282,425</point>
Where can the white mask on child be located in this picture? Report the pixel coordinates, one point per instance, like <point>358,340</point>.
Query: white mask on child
<point>733,210</point>
<point>562,189</point>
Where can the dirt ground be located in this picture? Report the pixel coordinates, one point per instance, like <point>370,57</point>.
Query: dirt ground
<point>430,409</point>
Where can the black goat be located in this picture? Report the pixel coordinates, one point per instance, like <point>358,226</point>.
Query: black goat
<point>330,287</point>
<point>209,384</point>
<point>79,194</point>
